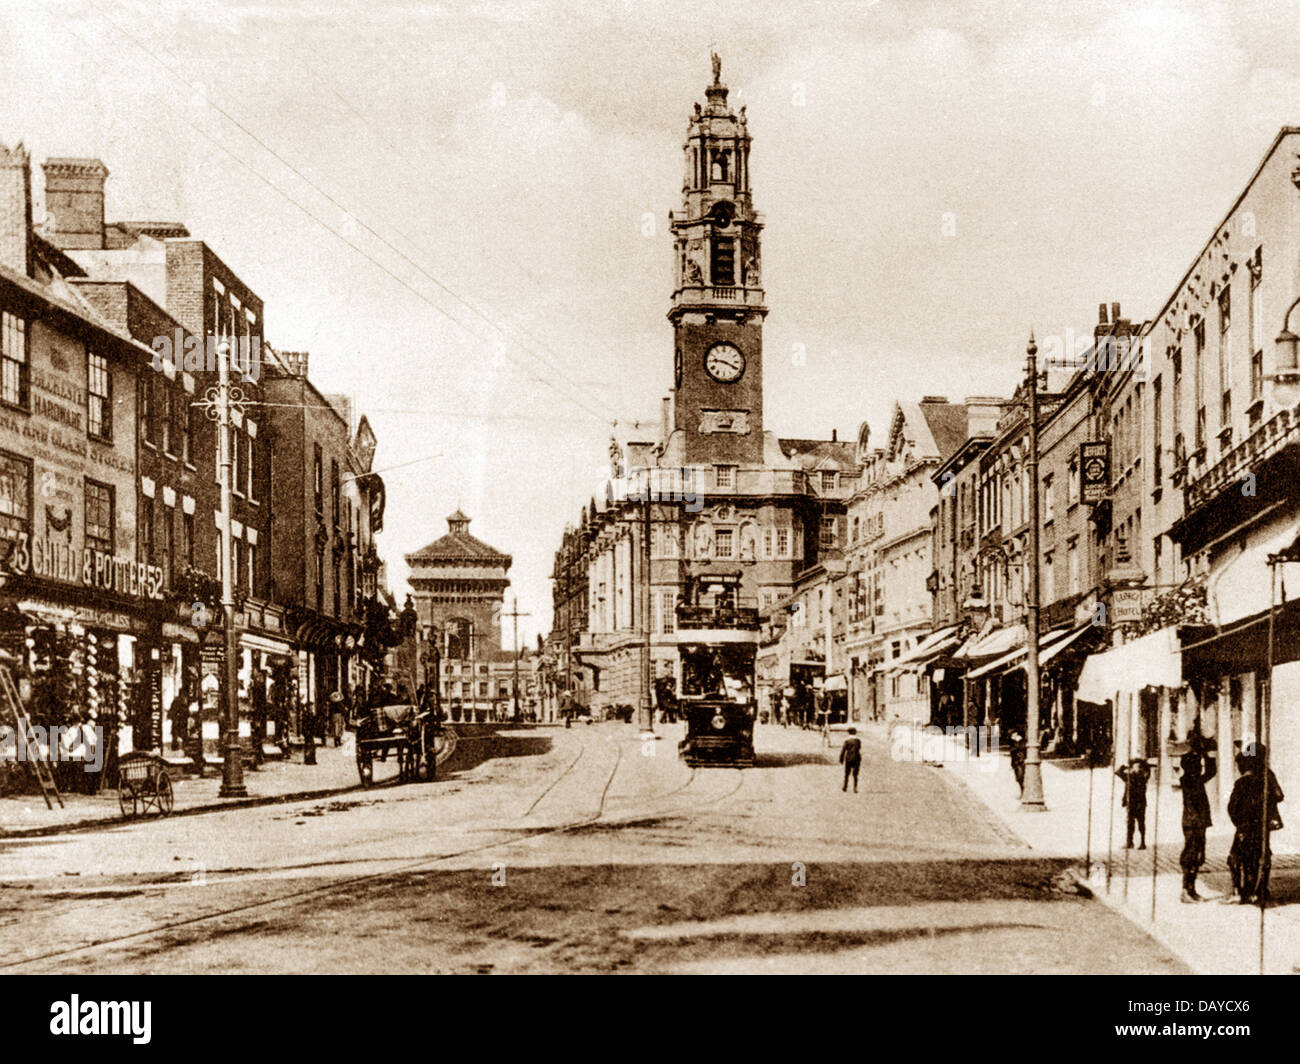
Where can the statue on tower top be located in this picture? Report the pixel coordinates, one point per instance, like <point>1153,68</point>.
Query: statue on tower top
<point>717,66</point>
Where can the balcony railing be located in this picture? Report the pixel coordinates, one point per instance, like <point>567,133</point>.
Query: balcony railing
<point>693,294</point>
<point>1267,440</point>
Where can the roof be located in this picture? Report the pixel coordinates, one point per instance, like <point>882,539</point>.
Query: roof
<point>458,545</point>
<point>820,450</point>
<point>948,426</point>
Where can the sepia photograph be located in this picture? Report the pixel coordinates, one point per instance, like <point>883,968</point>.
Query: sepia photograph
<point>523,487</point>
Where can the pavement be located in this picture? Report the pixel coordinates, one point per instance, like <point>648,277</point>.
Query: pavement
<point>1144,885</point>
<point>276,781</point>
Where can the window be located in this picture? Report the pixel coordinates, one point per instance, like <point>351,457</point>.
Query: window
<point>99,397</point>
<point>320,582</point>
<point>724,476</point>
<point>723,542</point>
<point>187,538</point>
<point>181,425</point>
<point>237,552</point>
<point>334,493</point>
<point>146,529</point>
<point>1049,580</point>
<point>1073,483</point>
<point>15,495</point>
<point>783,543</point>
<point>165,407</point>
<point>252,568</point>
<point>668,612</point>
<point>826,533</point>
<point>482,689</point>
<point>236,460</point>
<point>1198,336</point>
<point>724,262</point>
<point>1176,406</point>
<point>1256,376</point>
<point>857,530</point>
<point>1049,508</point>
<point>13,360</point>
<point>828,481</point>
<point>1157,428</point>
<point>99,516</point>
<point>148,431</point>
<point>318,481</point>
<point>1256,313</point>
<point>336,589</point>
<point>250,467</point>
<point>1072,558</point>
<point>169,544</point>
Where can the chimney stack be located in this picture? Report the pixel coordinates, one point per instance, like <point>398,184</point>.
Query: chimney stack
<point>295,362</point>
<point>835,435</point>
<point>74,203</point>
<point>16,209</point>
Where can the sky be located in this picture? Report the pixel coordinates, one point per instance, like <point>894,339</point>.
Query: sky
<point>460,209</point>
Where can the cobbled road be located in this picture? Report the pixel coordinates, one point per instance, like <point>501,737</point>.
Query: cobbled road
<point>583,850</point>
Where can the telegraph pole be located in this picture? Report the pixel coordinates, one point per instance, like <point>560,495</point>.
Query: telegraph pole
<point>1031,794</point>
<point>514,614</point>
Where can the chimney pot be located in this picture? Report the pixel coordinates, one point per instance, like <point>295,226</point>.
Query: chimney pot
<point>1114,313</point>
<point>1101,313</point>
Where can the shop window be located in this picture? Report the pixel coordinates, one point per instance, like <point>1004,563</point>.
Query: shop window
<point>15,495</point>
<point>99,518</point>
<point>13,360</point>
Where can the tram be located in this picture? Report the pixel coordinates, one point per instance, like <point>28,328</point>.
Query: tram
<point>717,644</point>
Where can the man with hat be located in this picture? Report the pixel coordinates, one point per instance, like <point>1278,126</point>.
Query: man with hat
<point>1197,767</point>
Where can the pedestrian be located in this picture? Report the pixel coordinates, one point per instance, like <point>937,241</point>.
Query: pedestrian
<point>1135,775</point>
<point>851,759</point>
<point>337,717</point>
<point>1197,767</point>
<point>178,714</point>
<point>1251,857</point>
<point>1018,758</point>
<point>308,725</point>
<point>257,726</point>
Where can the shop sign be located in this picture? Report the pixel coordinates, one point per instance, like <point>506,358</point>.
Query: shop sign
<point>54,560</point>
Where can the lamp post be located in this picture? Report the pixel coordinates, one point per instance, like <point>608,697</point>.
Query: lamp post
<point>219,402</point>
<point>1031,794</point>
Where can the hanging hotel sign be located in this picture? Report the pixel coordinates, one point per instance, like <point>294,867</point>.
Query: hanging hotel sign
<point>1094,471</point>
<point>57,560</point>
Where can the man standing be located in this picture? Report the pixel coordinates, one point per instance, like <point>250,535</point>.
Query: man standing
<point>1135,775</point>
<point>851,759</point>
<point>1018,758</point>
<point>257,730</point>
<point>1197,768</point>
<point>1252,852</point>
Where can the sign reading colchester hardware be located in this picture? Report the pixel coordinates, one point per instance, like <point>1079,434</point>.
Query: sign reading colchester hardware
<point>54,560</point>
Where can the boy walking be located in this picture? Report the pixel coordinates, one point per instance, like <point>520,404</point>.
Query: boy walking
<point>851,759</point>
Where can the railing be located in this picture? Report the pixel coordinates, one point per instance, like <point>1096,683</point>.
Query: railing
<point>752,297</point>
<point>1257,448</point>
<point>735,617</point>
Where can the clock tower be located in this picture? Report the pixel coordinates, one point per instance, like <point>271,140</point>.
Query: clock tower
<point>717,306</point>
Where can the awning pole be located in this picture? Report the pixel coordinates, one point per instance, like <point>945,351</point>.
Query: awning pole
<point>1087,845</point>
<point>1266,788</point>
<point>1110,840</point>
<point>1155,816</point>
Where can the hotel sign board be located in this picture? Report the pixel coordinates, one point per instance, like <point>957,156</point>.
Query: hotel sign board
<point>1094,471</point>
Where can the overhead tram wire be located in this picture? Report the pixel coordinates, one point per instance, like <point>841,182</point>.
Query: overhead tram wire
<point>499,326</point>
<point>599,416</point>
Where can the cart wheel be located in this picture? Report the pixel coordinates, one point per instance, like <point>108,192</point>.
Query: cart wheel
<point>126,798</point>
<point>165,797</point>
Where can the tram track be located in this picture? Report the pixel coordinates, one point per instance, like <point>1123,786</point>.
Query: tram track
<point>427,861</point>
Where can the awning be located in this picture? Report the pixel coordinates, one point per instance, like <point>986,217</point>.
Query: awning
<point>1049,646</point>
<point>1154,660</point>
<point>835,683</point>
<point>930,647</point>
<point>1241,586</point>
<point>998,642</point>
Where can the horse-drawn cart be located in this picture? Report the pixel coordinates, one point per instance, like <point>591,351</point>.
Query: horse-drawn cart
<point>407,732</point>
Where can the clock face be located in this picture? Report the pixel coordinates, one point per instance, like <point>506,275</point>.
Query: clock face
<point>725,363</point>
